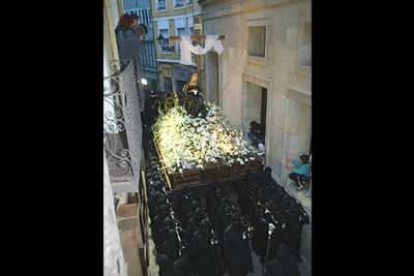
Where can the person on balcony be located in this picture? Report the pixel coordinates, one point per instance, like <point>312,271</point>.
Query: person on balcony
<point>127,37</point>
<point>301,172</point>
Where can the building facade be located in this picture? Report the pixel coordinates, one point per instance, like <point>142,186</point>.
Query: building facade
<point>264,75</point>
<point>173,18</point>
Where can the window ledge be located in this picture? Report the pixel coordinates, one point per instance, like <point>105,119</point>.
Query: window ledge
<point>257,60</point>
<point>300,90</point>
<point>304,70</point>
<point>183,7</point>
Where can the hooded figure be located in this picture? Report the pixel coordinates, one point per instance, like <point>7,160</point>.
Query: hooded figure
<point>182,266</point>
<point>236,249</point>
<point>171,245</point>
<point>274,268</point>
<point>259,240</point>
<point>183,205</point>
<point>166,266</point>
<point>296,218</point>
<point>200,252</point>
<point>288,261</point>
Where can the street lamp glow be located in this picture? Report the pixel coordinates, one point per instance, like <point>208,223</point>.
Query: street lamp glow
<point>144,81</point>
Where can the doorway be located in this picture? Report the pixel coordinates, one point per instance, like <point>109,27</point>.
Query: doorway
<point>254,108</point>
<point>263,109</point>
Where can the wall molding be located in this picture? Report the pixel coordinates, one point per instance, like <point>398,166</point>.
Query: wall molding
<point>163,18</point>
<point>236,8</point>
<point>258,80</point>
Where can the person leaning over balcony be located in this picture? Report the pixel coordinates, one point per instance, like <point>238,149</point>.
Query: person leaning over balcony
<point>126,36</point>
<point>301,171</point>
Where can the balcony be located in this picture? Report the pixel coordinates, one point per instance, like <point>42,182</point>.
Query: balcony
<point>122,126</point>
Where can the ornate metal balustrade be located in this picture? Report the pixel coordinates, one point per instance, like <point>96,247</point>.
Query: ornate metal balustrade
<point>122,126</point>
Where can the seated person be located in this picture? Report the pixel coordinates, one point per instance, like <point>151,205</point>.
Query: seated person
<point>256,133</point>
<point>301,172</point>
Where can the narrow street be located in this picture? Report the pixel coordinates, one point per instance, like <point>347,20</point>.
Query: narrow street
<point>208,137</point>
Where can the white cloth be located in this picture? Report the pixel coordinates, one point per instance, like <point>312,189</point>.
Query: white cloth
<point>212,42</point>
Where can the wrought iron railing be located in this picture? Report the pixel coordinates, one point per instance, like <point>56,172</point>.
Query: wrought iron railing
<point>122,125</point>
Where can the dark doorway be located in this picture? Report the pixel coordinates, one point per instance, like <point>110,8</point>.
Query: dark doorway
<point>168,84</point>
<point>263,109</point>
<point>180,85</point>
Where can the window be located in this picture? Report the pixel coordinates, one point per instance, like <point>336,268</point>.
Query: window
<point>165,41</point>
<point>180,32</point>
<point>178,4</point>
<point>161,5</point>
<point>305,46</point>
<point>191,25</point>
<point>257,41</point>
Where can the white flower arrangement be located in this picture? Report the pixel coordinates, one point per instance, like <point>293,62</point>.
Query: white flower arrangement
<point>186,142</point>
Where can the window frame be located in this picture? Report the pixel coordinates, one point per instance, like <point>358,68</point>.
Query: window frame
<point>157,7</point>
<point>178,34</point>
<point>184,6</point>
<point>259,23</point>
<point>161,49</point>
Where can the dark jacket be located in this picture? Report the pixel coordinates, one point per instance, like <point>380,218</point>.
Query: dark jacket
<point>183,266</point>
<point>128,44</point>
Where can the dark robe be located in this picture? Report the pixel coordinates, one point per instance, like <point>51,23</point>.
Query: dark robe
<point>237,252</point>
<point>200,253</point>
